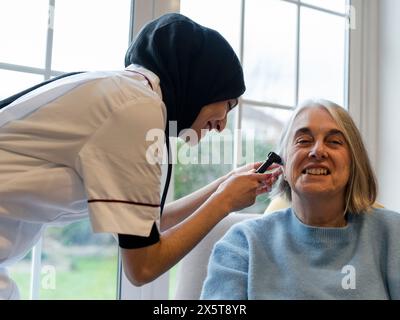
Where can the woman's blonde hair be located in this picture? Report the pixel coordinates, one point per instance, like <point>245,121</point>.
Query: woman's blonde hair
<point>361,189</point>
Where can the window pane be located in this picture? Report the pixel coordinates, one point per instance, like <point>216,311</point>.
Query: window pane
<point>13,82</point>
<point>199,165</point>
<point>334,5</point>
<point>77,264</point>
<point>90,34</point>
<point>20,272</point>
<point>262,127</point>
<point>322,56</point>
<point>23,32</point>
<point>270,51</point>
<point>221,15</point>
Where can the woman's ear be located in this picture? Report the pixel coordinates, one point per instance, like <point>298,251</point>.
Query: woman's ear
<point>284,174</point>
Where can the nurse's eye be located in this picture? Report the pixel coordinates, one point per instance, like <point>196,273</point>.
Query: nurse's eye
<point>232,104</point>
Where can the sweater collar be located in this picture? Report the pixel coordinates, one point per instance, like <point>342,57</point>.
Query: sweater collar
<point>328,235</point>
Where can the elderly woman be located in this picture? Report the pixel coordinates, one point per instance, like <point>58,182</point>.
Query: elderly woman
<point>331,243</point>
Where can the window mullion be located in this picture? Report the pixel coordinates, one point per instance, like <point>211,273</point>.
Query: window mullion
<point>267,104</point>
<point>37,249</point>
<point>49,42</point>
<point>237,138</point>
<point>132,22</point>
<point>310,6</point>
<point>298,55</point>
<point>35,270</point>
<point>21,68</point>
<point>143,11</point>
<point>347,58</point>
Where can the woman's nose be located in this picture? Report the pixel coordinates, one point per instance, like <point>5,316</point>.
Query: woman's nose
<point>318,151</point>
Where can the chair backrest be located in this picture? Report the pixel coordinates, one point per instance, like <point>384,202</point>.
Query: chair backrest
<point>192,270</point>
<point>277,203</point>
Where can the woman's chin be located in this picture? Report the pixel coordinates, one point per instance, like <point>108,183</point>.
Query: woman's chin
<point>311,192</point>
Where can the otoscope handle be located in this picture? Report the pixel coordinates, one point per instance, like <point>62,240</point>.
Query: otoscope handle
<point>271,158</point>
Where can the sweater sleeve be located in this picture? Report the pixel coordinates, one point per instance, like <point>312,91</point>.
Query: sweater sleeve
<point>227,275</point>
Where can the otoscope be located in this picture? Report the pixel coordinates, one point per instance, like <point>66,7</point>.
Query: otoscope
<point>271,158</point>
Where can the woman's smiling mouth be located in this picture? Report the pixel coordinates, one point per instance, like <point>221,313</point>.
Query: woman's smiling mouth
<point>316,171</point>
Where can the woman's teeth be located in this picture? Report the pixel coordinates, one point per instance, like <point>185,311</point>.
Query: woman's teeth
<point>317,172</point>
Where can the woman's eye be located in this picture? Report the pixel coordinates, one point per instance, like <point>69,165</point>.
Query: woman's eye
<point>339,142</point>
<point>303,141</point>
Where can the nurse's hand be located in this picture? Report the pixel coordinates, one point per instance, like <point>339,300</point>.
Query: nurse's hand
<point>250,166</point>
<point>240,190</point>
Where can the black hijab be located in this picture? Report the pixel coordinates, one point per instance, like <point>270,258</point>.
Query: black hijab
<point>195,64</point>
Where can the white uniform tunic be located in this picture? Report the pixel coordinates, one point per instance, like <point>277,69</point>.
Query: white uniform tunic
<point>77,146</point>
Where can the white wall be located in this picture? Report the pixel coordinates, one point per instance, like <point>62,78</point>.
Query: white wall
<point>388,158</point>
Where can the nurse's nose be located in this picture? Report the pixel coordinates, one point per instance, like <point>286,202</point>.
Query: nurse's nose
<point>220,125</point>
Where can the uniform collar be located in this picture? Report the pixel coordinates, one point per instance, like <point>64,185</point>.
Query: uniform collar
<point>151,76</point>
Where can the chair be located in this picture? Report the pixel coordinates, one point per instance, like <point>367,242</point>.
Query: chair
<point>192,269</point>
<point>277,203</point>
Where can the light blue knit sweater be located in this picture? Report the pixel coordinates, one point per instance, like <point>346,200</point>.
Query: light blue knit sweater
<point>276,256</point>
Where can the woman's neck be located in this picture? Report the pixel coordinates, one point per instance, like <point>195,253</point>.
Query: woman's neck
<point>319,211</point>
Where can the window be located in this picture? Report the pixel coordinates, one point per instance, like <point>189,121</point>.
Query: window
<point>50,37</point>
<point>272,38</point>
<point>291,51</point>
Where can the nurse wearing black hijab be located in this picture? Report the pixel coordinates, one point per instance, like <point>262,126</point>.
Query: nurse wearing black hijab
<point>81,138</point>
<point>201,79</point>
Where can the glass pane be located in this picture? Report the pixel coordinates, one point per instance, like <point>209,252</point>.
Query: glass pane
<point>195,167</point>
<point>199,165</point>
<point>78,264</point>
<point>322,56</point>
<point>90,34</point>
<point>20,272</point>
<point>23,32</point>
<point>334,5</point>
<point>13,82</point>
<point>270,51</point>
<point>262,127</point>
<point>221,15</point>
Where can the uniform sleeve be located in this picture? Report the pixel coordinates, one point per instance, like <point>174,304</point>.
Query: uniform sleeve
<point>120,174</point>
<point>227,275</point>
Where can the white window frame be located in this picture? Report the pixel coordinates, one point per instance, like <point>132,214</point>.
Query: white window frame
<point>362,100</point>
<point>47,73</point>
<point>143,12</point>
<point>356,92</point>
<point>364,72</point>
<point>254,103</point>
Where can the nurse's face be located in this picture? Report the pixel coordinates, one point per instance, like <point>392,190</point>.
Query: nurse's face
<point>212,116</point>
